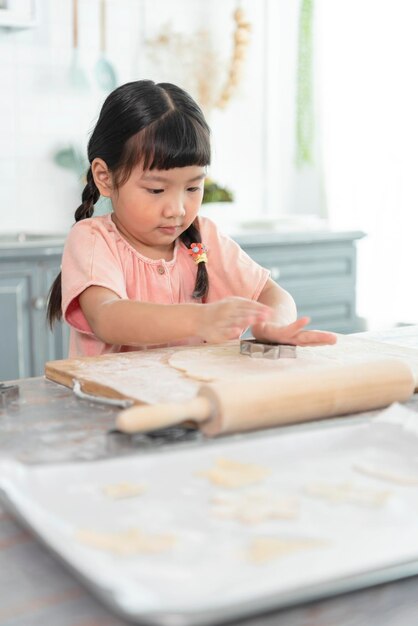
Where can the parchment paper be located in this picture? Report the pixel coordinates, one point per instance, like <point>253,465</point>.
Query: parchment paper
<point>207,574</point>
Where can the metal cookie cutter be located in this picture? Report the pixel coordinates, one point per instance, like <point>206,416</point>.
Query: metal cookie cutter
<point>259,350</point>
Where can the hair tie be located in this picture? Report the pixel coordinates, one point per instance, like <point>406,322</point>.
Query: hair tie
<point>198,252</point>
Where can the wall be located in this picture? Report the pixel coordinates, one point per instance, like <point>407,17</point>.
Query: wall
<point>41,111</point>
<point>369,95</point>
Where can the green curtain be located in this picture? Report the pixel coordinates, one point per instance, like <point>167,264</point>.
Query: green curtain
<point>305,127</point>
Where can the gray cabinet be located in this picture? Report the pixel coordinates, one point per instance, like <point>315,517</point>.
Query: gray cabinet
<point>318,269</point>
<point>26,342</point>
<point>17,284</point>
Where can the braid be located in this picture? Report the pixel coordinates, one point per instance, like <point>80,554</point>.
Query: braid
<point>89,198</point>
<point>189,236</point>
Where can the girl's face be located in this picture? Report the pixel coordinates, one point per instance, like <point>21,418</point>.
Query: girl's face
<point>153,207</point>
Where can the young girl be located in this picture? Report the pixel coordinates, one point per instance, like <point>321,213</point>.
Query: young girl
<point>152,272</point>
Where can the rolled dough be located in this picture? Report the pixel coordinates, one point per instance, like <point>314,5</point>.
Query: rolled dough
<point>212,363</point>
<point>219,362</point>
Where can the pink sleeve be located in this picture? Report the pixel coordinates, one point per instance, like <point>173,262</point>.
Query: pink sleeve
<point>231,271</point>
<point>90,258</point>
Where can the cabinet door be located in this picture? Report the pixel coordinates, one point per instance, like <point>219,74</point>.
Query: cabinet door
<point>321,277</point>
<point>18,286</point>
<point>53,344</point>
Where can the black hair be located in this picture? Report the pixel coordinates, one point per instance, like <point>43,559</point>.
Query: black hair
<point>158,125</point>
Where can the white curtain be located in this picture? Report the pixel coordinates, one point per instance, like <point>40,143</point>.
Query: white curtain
<point>367,59</point>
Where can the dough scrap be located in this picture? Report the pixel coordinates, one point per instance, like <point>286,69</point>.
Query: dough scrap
<point>347,493</point>
<point>254,508</point>
<point>393,476</point>
<point>119,491</point>
<point>231,474</point>
<point>264,549</point>
<point>126,543</point>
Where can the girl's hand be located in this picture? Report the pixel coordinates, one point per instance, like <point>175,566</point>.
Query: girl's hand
<point>226,319</point>
<point>293,334</point>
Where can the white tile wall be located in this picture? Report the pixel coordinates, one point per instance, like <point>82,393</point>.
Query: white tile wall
<point>40,110</point>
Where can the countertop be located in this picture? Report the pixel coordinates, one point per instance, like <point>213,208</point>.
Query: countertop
<point>31,240</point>
<point>48,424</point>
<point>30,245</point>
<point>25,243</point>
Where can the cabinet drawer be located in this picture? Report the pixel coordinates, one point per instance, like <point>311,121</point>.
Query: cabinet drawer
<point>320,290</point>
<point>328,309</point>
<point>327,312</point>
<point>17,290</point>
<point>287,264</point>
<point>321,277</point>
<point>25,339</point>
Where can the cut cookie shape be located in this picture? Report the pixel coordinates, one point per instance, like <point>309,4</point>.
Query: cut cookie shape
<point>397,476</point>
<point>264,549</point>
<point>126,543</point>
<point>347,493</point>
<point>254,508</point>
<point>119,491</point>
<point>231,474</point>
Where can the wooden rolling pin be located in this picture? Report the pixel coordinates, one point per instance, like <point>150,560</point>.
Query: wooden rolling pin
<point>280,398</point>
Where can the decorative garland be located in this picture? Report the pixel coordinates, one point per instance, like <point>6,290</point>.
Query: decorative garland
<point>196,50</point>
<point>241,40</point>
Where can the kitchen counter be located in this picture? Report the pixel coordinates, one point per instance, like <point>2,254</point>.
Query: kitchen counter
<point>47,424</point>
<point>243,235</point>
<point>25,244</point>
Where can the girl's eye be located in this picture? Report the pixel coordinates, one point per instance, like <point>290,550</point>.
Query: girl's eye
<point>155,191</point>
<point>193,189</point>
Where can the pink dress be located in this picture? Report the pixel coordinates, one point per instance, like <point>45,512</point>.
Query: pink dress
<point>95,253</point>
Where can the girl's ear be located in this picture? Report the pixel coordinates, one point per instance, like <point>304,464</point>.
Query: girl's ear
<point>102,177</point>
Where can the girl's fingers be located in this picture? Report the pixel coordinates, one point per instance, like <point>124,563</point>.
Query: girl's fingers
<point>260,312</point>
<point>294,334</point>
<point>316,338</point>
<point>296,326</point>
<point>286,334</point>
<point>251,314</point>
<point>256,315</point>
<point>254,305</point>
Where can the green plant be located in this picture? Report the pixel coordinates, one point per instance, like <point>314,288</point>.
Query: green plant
<point>215,193</point>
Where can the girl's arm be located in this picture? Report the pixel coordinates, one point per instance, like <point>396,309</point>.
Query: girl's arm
<point>129,322</point>
<point>284,327</point>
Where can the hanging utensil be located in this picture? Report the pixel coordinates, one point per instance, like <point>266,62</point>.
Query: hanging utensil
<point>78,78</point>
<point>104,71</point>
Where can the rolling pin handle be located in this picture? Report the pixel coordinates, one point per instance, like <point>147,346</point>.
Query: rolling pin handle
<point>142,419</point>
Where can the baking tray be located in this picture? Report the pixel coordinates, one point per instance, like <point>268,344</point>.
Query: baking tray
<point>206,577</point>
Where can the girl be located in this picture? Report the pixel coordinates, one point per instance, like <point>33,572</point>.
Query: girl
<point>152,272</point>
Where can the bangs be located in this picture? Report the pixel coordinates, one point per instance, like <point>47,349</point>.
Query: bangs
<point>174,140</point>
